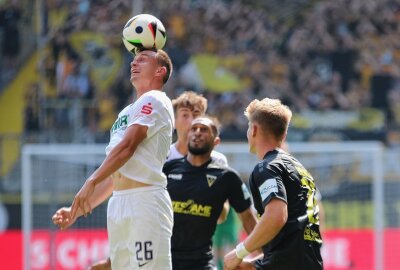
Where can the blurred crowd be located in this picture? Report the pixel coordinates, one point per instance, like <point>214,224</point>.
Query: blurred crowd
<point>327,55</point>
<point>10,20</point>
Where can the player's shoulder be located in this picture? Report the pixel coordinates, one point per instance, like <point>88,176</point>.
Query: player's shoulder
<point>154,96</point>
<point>158,101</point>
<point>223,169</point>
<point>272,159</point>
<point>175,160</point>
<point>173,163</point>
<point>277,157</point>
<point>219,158</point>
<point>125,110</point>
<point>173,153</point>
<point>159,96</point>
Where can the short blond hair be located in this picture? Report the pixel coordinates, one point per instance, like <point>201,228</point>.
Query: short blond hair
<point>190,100</point>
<point>271,115</point>
<point>164,60</point>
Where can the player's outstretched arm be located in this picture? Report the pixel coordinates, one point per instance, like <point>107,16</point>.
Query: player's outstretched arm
<point>269,225</point>
<point>271,222</point>
<point>118,156</point>
<point>63,217</point>
<point>248,219</point>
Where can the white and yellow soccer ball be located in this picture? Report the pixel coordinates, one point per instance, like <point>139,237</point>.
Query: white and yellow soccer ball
<point>143,31</point>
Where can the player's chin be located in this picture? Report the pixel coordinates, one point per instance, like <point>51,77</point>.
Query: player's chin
<point>133,78</point>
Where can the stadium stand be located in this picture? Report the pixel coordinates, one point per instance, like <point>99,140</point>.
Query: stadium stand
<point>346,62</point>
<point>335,63</point>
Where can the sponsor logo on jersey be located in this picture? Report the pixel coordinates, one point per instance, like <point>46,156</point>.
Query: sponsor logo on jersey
<point>246,193</point>
<point>175,176</point>
<point>191,208</point>
<point>307,183</point>
<point>268,187</point>
<point>312,235</point>
<point>121,122</point>
<point>147,109</point>
<point>211,179</point>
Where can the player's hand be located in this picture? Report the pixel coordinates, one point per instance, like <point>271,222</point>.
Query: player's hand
<point>62,218</point>
<point>81,200</point>
<point>101,265</point>
<point>231,261</point>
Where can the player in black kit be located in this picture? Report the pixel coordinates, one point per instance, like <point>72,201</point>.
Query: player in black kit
<point>284,197</point>
<point>198,188</point>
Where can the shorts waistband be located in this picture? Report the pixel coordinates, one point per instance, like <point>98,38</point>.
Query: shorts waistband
<point>136,190</point>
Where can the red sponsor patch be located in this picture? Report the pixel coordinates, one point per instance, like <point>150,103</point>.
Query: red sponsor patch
<point>147,109</point>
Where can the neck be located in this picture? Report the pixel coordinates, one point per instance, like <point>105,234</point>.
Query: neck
<point>142,90</point>
<point>140,93</point>
<point>198,160</point>
<point>264,148</point>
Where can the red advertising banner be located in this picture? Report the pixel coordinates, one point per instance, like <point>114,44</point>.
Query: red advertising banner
<point>348,249</point>
<point>72,249</point>
<point>77,249</point>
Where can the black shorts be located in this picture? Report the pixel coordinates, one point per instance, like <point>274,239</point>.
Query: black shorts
<point>193,265</point>
<point>296,254</point>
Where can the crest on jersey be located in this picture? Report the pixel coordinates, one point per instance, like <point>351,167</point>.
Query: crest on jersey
<point>211,179</point>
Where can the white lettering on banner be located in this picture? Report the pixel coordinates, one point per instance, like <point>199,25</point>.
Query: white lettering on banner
<point>79,254</point>
<point>83,253</point>
<point>336,252</point>
<point>98,250</point>
<point>70,250</point>
<point>64,254</point>
<point>39,254</point>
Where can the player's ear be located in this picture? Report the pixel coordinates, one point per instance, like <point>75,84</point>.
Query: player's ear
<point>217,141</point>
<point>161,71</point>
<point>254,130</point>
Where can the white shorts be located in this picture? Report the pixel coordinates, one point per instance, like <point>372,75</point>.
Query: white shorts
<point>139,225</point>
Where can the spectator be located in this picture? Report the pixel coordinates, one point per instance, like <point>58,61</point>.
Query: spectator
<point>10,16</point>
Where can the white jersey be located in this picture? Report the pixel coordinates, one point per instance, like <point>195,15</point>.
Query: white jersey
<point>154,110</point>
<point>217,157</point>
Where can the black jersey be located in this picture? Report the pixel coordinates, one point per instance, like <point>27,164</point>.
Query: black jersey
<point>198,195</point>
<point>297,245</point>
